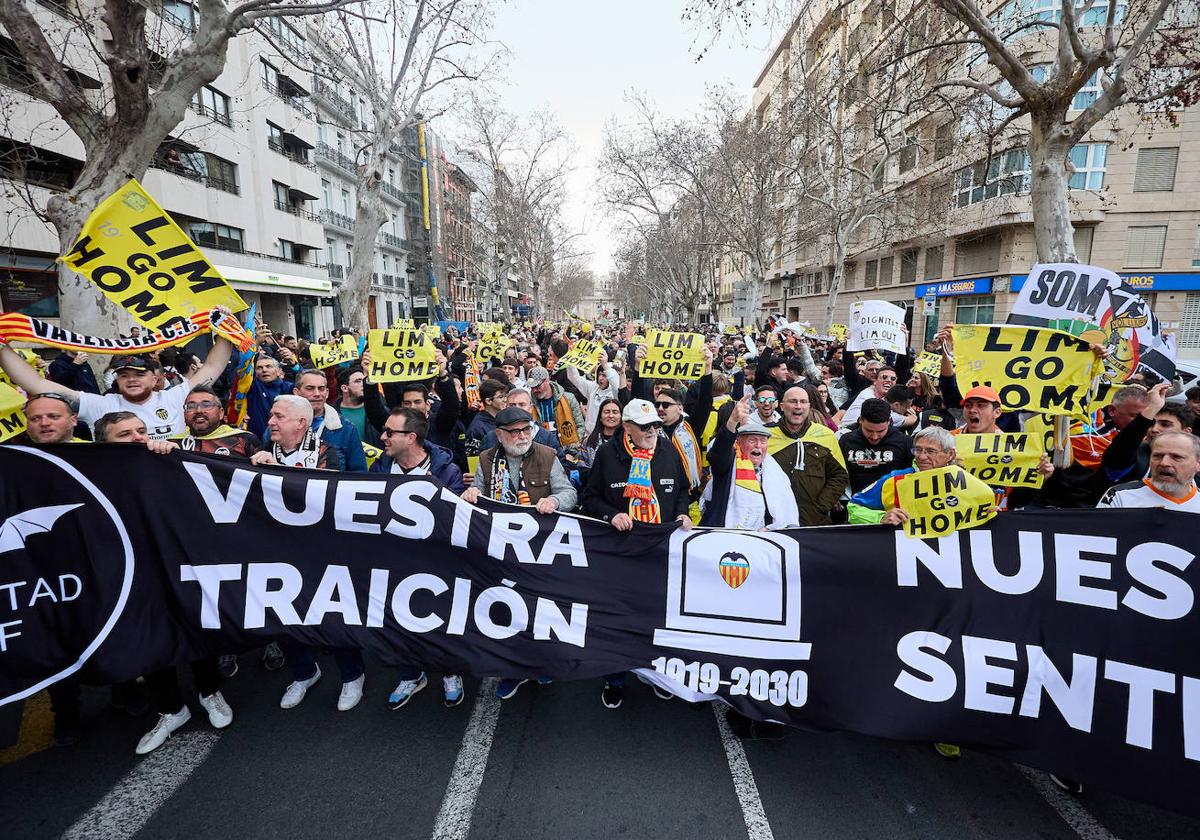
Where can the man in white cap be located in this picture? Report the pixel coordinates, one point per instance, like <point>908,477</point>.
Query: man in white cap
<point>748,489</point>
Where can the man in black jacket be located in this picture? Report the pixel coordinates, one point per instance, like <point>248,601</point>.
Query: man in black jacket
<point>874,447</point>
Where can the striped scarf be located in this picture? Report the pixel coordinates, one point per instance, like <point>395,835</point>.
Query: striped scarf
<point>501,489</point>
<point>689,451</point>
<point>744,474</point>
<point>471,385</point>
<point>639,489</point>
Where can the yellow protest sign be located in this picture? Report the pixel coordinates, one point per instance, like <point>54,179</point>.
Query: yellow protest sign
<point>672,355</point>
<point>583,355</point>
<point>434,331</point>
<point>929,364</point>
<point>493,346</point>
<point>1033,369</point>
<point>838,331</point>
<point>487,328</point>
<point>328,355</point>
<point>12,414</point>
<point>136,254</point>
<point>1004,460</point>
<point>942,501</point>
<point>372,453</point>
<point>404,324</point>
<point>400,356</point>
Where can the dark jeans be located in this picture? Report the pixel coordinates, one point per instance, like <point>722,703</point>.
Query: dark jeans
<point>164,684</point>
<point>64,702</point>
<point>304,665</point>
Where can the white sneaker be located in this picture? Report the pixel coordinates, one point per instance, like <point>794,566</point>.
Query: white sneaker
<point>453,686</point>
<point>162,730</point>
<point>219,713</point>
<point>295,692</point>
<point>351,693</point>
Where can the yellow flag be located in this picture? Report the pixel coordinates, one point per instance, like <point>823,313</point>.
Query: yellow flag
<point>328,355</point>
<point>672,355</point>
<point>942,501</point>
<point>12,413</point>
<point>1003,460</point>
<point>372,453</point>
<point>401,356</point>
<point>1032,369</point>
<point>133,251</point>
<point>838,331</point>
<point>493,346</point>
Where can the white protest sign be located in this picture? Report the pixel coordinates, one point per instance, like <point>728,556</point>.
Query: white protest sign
<point>876,325</point>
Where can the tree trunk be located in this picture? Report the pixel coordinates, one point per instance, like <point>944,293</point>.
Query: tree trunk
<point>835,282</point>
<point>1052,229</point>
<point>355,295</point>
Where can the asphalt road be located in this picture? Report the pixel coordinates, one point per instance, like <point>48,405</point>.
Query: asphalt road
<point>550,763</point>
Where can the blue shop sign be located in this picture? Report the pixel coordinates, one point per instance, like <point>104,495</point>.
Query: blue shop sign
<point>946,288</point>
<point>1141,281</point>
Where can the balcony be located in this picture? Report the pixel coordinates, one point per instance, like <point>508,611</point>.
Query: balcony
<point>212,114</point>
<point>337,272</point>
<point>387,240</point>
<point>182,170</point>
<point>296,210</point>
<point>221,184</point>
<point>391,192</point>
<point>332,219</point>
<point>290,98</point>
<point>331,156</point>
<point>296,156</point>
<point>341,106</point>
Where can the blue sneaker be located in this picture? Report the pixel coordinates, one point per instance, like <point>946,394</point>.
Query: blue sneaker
<point>453,687</point>
<point>405,690</point>
<point>508,688</point>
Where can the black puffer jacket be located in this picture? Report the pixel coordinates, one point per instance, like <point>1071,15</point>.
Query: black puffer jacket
<point>603,499</point>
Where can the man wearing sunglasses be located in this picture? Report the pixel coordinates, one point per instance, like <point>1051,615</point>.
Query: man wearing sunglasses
<point>766,404</point>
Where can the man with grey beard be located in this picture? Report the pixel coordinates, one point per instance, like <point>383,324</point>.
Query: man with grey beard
<point>1174,462</point>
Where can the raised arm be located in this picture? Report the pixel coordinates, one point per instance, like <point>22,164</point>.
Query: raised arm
<point>214,365</point>
<point>28,379</point>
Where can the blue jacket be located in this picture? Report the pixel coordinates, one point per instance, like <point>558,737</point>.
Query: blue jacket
<point>258,404</point>
<point>441,467</point>
<point>344,438</point>
<point>76,377</point>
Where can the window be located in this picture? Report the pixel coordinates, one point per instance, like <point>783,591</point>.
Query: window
<point>1083,244</point>
<point>281,194</point>
<point>391,179</point>
<point>183,15</point>
<point>1196,250</point>
<point>341,143</point>
<point>1144,246</point>
<point>1006,173</point>
<point>1189,327</point>
<point>975,309</point>
<point>977,256</point>
<point>270,75</point>
<point>908,158</point>
<point>330,252</point>
<point>210,102</point>
<point>1156,169</point>
<point>943,141</point>
<point>390,318</point>
<point>221,237</point>
<point>274,137</point>
<point>934,257</point>
<point>1087,94</point>
<point>872,273</point>
<point>345,202</point>
<point>1089,160</point>
<point>222,174</point>
<point>326,195</point>
<point>908,266</point>
<point>886,270</point>
<point>287,250</point>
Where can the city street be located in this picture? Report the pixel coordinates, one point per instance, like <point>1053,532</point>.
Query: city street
<point>550,763</point>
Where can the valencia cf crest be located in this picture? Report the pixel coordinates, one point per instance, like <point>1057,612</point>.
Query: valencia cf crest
<point>735,568</point>
<point>162,414</point>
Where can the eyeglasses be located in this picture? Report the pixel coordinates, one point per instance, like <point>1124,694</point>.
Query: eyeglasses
<point>387,433</point>
<point>197,406</point>
<point>521,432</point>
<point>665,404</point>
<point>922,450</point>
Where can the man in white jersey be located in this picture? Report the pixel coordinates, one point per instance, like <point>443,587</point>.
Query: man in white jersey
<point>1174,462</point>
<point>137,377</point>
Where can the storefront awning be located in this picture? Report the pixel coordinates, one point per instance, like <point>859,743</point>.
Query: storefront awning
<point>250,280</point>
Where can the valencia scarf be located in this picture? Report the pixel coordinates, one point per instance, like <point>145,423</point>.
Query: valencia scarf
<point>639,489</point>
<point>307,455</point>
<point>689,452</point>
<point>471,385</point>
<point>17,327</point>
<point>501,488</point>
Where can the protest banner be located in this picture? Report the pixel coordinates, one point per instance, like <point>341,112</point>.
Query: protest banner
<point>988,637</point>
<point>584,355</point>
<point>489,328</point>
<point>12,414</point>
<point>876,325</point>
<point>1003,460</point>
<point>328,355</point>
<point>929,364</point>
<point>838,331</point>
<point>434,331</point>
<point>404,324</point>
<point>1032,369</point>
<point>493,346</point>
<point>135,253</point>
<point>942,501</point>
<point>401,356</point>
<point>673,355</point>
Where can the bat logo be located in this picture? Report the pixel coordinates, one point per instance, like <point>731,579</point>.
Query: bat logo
<point>952,501</point>
<point>735,568</point>
<point>19,528</point>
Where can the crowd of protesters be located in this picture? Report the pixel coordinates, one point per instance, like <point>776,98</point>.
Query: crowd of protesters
<point>781,430</point>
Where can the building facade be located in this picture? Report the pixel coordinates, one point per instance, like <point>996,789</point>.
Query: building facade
<point>964,253</point>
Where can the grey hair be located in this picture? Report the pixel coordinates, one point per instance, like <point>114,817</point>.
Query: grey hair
<point>1191,438</point>
<point>524,391</point>
<point>1131,392</point>
<point>298,404</point>
<point>936,435</point>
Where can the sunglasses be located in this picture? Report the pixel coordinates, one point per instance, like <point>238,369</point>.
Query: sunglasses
<point>665,404</point>
<point>387,433</point>
<point>767,400</point>
<point>650,427</point>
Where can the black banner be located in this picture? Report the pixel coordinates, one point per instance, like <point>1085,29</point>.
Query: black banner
<point>1065,640</point>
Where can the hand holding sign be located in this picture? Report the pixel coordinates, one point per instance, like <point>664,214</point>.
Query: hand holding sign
<point>943,500</point>
<point>672,355</point>
<point>877,325</point>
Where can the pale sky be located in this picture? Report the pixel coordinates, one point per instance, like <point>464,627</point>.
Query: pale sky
<point>580,58</point>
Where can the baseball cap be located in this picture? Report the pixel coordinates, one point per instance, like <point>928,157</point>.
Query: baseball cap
<point>981,392</point>
<point>641,412</point>
<point>512,415</point>
<point>753,427</point>
<point>537,376</point>
<point>138,363</point>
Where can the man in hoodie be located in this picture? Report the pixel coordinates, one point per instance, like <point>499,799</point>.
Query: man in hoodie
<point>493,395</point>
<point>407,452</point>
<point>268,384</point>
<point>809,454</point>
<point>327,425</point>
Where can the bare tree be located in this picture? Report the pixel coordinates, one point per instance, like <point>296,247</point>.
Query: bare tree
<point>571,282</point>
<point>147,85</point>
<point>401,55</point>
<point>521,165</point>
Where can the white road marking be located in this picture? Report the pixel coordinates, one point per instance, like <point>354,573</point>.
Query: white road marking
<point>1068,807</point>
<point>757,826</point>
<point>130,804</point>
<point>458,803</point>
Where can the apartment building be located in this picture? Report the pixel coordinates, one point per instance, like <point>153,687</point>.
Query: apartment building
<point>968,244</point>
